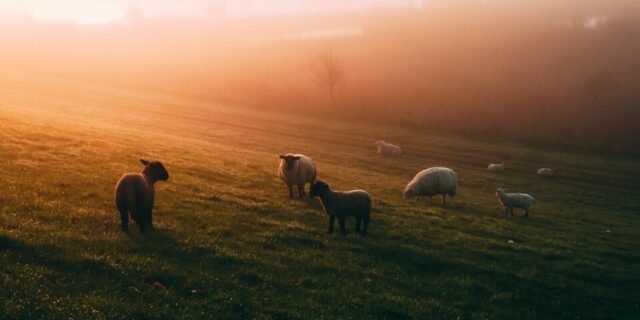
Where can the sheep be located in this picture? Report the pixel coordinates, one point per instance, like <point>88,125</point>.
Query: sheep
<point>341,204</point>
<point>547,172</point>
<point>135,193</point>
<point>431,182</point>
<point>298,170</point>
<point>496,167</point>
<point>515,200</point>
<point>388,149</point>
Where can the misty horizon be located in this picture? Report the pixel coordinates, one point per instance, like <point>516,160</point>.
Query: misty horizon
<point>308,159</point>
<point>457,66</point>
<point>109,12</point>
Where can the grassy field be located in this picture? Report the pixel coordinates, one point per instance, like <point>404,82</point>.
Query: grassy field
<point>230,244</point>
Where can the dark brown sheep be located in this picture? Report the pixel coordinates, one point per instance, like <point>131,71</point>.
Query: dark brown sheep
<point>135,193</point>
<point>341,204</point>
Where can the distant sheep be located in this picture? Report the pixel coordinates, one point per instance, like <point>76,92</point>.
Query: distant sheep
<point>297,170</point>
<point>515,200</point>
<point>388,149</point>
<point>496,167</point>
<point>547,172</point>
<point>341,204</point>
<point>431,182</point>
<point>135,193</point>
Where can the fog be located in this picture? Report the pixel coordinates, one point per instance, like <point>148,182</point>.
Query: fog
<point>560,71</point>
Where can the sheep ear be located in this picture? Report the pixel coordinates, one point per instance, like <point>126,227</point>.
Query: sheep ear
<point>282,156</point>
<point>144,162</point>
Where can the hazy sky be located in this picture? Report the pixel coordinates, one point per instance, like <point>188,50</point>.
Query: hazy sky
<point>101,11</point>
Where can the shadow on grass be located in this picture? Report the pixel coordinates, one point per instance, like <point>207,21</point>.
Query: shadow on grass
<point>491,283</point>
<point>51,257</point>
<point>151,271</point>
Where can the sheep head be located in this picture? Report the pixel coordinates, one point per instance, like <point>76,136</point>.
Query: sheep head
<point>500,191</point>
<point>408,193</point>
<point>318,189</point>
<point>154,170</point>
<point>289,161</point>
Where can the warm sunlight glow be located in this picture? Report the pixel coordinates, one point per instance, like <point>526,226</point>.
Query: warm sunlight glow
<point>81,12</point>
<point>84,13</point>
<point>105,11</point>
<point>315,34</point>
<point>319,159</point>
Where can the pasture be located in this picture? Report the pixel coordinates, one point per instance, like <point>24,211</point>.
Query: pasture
<point>230,244</point>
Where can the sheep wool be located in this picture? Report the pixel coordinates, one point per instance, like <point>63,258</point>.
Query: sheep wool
<point>515,200</point>
<point>546,172</point>
<point>337,204</point>
<point>496,167</point>
<point>388,149</point>
<point>135,193</point>
<point>297,170</point>
<point>433,181</point>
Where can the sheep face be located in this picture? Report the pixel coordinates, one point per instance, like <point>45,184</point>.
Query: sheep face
<point>289,161</point>
<point>318,189</point>
<point>408,193</point>
<point>155,170</point>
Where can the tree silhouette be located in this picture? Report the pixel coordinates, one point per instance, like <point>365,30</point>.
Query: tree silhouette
<point>328,71</point>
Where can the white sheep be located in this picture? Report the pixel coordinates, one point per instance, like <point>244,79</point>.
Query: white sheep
<point>547,172</point>
<point>388,149</point>
<point>515,200</point>
<point>496,167</point>
<point>431,182</point>
<point>297,170</point>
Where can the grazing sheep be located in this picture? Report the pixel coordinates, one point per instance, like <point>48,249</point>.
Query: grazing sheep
<point>297,170</point>
<point>341,204</point>
<point>547,172</point>
<point>515,200</point>
<point>496,167</point>
<point>135,193</point>
<point>431,182</point>
<point>388,149</point>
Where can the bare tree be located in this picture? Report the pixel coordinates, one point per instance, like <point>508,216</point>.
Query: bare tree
<point>328,71</point>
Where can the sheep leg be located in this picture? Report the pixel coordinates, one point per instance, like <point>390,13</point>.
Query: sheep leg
<point>365,225</point>
<point>506,211</point>
<point>124,218</point>
<point>141,220</point>
<point>358,223</point>
<point>301,191</point>
<point>343,229</point>
<point>511,211</point>
<point>526,213</point>
<point>142,225</point>
<point>332,220</point>
<point>290,191</point>
<point>150,220</point>
<point>444,197</point>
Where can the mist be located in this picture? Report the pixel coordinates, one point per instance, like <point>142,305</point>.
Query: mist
<point>558,71</point>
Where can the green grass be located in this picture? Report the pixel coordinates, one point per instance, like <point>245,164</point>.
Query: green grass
<point>230,244</point>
